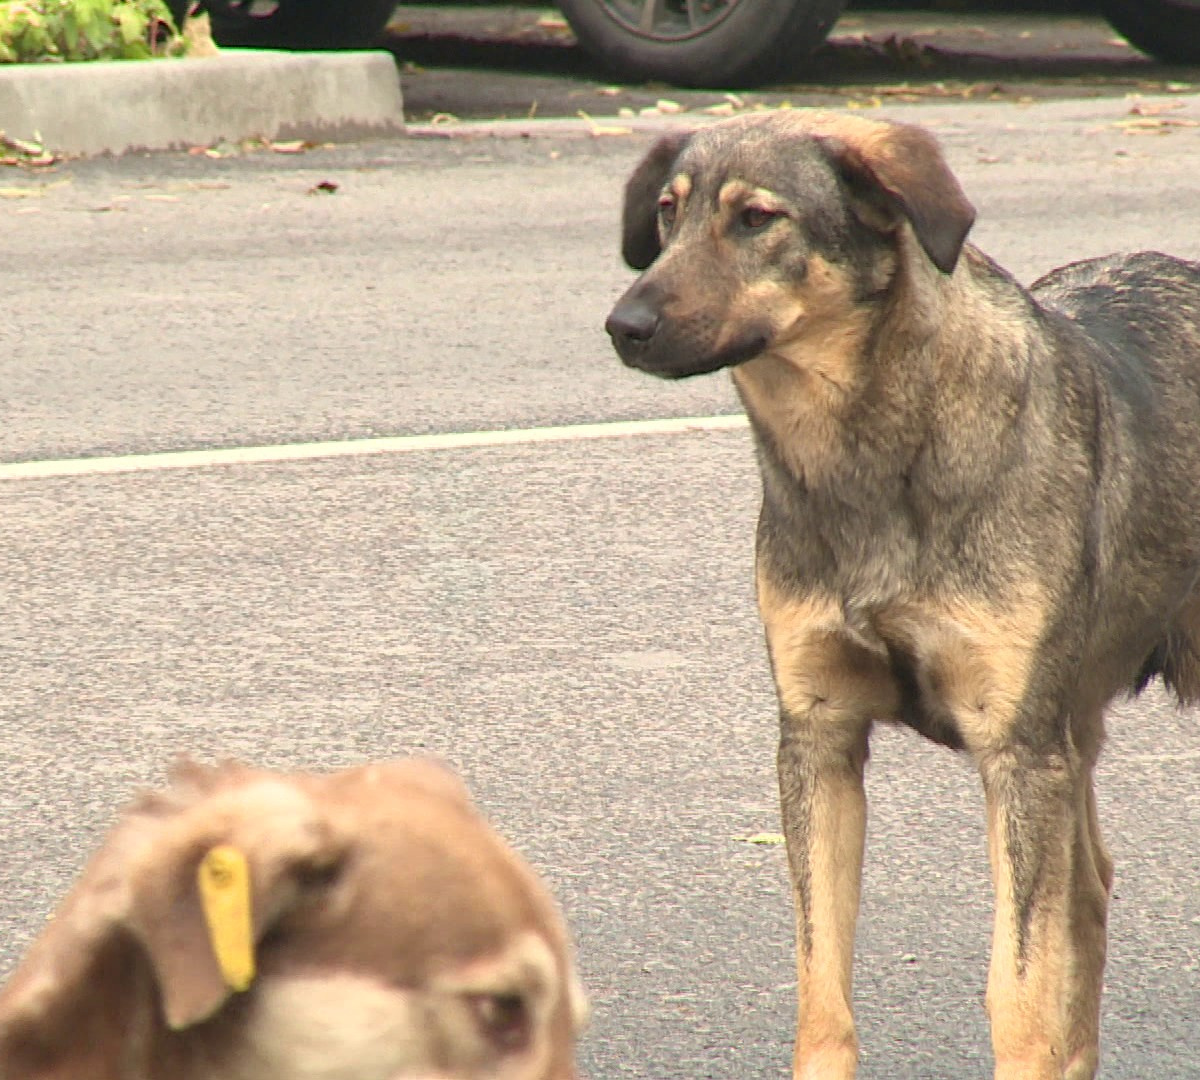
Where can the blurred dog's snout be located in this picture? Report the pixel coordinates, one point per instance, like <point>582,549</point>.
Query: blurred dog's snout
<point>632,323</point>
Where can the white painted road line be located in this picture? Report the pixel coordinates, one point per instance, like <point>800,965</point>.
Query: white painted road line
<point>399,444</point>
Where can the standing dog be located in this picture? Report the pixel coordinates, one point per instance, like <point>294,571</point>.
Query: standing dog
<point>246,925</point>
<point>979,519</point>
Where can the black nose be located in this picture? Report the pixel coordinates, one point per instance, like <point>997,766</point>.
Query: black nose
<point>632,322</point>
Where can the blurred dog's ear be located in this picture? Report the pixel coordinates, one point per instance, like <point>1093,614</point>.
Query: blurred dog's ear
<point>639,227</point>
<point>896,171</point>
<point>202,901</point>
<point>206,894</point>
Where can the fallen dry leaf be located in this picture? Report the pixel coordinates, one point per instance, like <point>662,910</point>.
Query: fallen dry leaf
<point>762,838</point>
<point>603,129</point>
<point>37,161</point>
<point>21,146</point>
<point>15,151</point>
<point>1153,108</point>
<point>1154,125</point>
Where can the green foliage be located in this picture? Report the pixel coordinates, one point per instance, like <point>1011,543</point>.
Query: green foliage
<point>86,30</point>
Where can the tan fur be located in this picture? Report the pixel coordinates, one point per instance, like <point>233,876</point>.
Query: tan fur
<point>826,676</point>
<point>822,668</point>
<point>1025,1006</point>
<point>973,655</point>
<point>798,387</point>
<point>397,938</point>
<point>737,193</point>
<point>826,1044</point>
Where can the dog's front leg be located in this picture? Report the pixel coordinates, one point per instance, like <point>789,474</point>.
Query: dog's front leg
<point>821,759</point>
<point>1035,802</point>
<point>831,684</point>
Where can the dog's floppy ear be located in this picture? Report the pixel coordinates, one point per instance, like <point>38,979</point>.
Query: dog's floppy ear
<point>203,898</point>
<point>898,169</point>
<point>136,922</point>
<point>639,230</point>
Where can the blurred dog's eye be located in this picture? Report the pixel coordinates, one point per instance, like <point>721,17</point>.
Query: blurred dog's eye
<point>504,1019</point>
<point>666,211</point>
<point>319,875</point>
<point>755,217</point>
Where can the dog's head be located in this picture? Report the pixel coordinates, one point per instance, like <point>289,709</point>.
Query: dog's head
<point>757,232</point>
<point>377,927</point>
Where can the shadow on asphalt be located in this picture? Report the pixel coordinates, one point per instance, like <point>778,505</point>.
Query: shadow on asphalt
<point>839,62</point>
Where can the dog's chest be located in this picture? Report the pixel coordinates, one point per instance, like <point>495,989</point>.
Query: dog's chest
<point>956,669</point>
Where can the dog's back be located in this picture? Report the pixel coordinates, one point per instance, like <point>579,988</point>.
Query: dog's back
<point>1143,310</point>
<point>1139,318</point>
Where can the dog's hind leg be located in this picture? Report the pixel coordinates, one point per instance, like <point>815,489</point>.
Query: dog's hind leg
<point>1091,886</point>
<point>1039,836</point>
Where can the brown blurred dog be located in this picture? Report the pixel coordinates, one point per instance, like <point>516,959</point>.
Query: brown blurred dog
<point>979,519</point>
<point>380,930</point>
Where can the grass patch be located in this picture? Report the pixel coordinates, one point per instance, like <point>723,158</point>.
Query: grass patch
<point>62,30</point>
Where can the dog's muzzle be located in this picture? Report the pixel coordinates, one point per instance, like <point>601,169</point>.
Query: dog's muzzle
<point>649,340</point>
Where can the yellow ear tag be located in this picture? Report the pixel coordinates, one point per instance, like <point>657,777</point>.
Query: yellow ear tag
<point>224,878</point>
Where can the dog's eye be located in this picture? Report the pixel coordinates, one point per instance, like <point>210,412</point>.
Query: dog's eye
<point>666,211</point>
<point>504,1018</point>
<point>756,217</point>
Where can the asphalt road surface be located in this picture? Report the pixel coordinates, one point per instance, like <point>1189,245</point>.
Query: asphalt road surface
<point>569,622</point>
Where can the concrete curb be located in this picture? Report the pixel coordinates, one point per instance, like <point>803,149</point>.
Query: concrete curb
<point>111,107</point>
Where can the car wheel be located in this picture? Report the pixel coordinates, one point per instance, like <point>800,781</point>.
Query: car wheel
<point>298,24</point>
<point>713,43</point>
<point>1168,30</point>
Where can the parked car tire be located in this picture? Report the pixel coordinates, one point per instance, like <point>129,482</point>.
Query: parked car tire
<point>722,43</point>
<point>297,24</point>
<point>1168,30</point>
